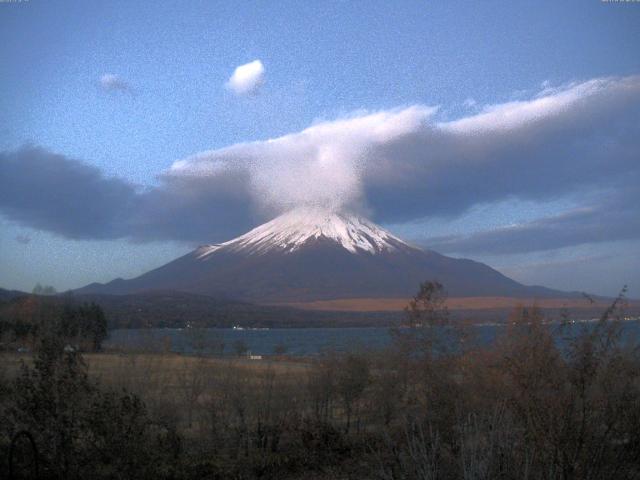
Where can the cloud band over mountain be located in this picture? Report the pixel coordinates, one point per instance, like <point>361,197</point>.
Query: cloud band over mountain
<point>580,140</point>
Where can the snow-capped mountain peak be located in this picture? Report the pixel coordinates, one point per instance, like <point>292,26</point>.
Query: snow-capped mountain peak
<point>292,230</point>
<point>309,255</point>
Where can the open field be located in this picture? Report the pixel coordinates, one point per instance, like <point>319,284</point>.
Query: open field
<point>453,303</point>
<point>166,377</point>
<point>115,365</point>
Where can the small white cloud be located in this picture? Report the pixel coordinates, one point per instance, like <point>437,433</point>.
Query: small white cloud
<point>23,239</point>
<point>110,82</point>
<point>470,103</point>
<point>247,78</point>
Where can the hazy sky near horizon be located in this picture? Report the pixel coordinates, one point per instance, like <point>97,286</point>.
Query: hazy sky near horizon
<point>506,132</point>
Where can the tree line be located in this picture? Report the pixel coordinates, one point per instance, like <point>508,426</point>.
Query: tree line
<point>24,320</point>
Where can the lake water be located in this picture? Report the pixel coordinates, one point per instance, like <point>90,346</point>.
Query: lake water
<point>299,341</point>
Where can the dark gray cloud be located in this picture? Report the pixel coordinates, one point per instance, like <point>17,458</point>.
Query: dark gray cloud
<point>51,192</point>
<point>395,165</point>
<point>193,209</point>
<point>616,217</point>
<point>520,152</point>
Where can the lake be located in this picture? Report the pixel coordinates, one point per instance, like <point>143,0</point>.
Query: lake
<point>299,341</point>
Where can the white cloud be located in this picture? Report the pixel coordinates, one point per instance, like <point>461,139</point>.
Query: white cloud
<point>469,103</point>
<point>404,161</point>
<point>247,78</point>
<point>403,164</point>
<point>546,105</point>
<point>321,166</point>
<point>110,82</point>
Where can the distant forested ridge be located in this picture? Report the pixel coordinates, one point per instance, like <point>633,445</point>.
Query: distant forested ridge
<point>178,309</point>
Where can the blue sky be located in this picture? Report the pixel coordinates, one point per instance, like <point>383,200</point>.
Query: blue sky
<point>323,62</point>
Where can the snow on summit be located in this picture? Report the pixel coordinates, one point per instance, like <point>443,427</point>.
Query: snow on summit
<point>292,230</point>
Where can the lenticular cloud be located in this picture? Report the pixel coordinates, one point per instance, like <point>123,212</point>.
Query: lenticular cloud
<point>322,166</point>
<point>403,163</point>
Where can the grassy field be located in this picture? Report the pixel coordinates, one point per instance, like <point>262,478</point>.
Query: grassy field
<point>454,303</point>
<point>183,383</point>
<point>113,365</point>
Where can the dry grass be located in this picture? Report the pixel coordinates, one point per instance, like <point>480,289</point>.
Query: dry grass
<point>136,368</point>
<point>170,364</point>
<point>453,303</point>
<point>197,394</point>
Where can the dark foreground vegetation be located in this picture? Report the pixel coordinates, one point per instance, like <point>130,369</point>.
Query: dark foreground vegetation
<point>28,320</point>
<point>432,406</point>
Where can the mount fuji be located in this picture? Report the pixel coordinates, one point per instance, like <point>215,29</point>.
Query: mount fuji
<point>311,254</point>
